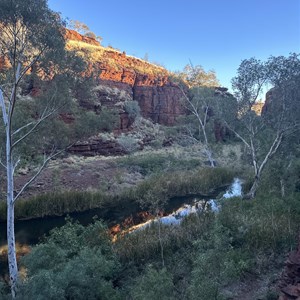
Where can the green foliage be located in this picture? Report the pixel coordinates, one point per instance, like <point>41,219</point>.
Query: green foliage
<point>157,188</point>
<point>128,143</point>
<point>73,263</point>
<point>200,181</point>
<point>153,284</point>
<point>197,76</point>
<point>216,264</point>
<point>4,291</point>
<point>251,75</point>
<point>88,123</point>
<point>58,203</point>
<point>133,109</point>
<point>265,224</point>
<point>156,163</point>
<point>262,136</point>
<point>144,245</point>
<point>36,27</point>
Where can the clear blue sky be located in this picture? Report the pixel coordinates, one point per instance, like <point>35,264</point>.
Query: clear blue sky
<point>216,34</point>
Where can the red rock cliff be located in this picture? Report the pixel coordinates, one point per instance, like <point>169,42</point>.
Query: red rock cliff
<point>124,77</point>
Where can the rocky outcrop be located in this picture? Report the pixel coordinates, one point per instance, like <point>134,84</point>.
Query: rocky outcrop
<point>268,102</point>
<point>97,146</point>
<point>289,284</point>
<point>75,36</point>
<point>124,78</point>
<point>161,104</point>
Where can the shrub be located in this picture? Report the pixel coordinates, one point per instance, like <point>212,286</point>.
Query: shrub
<point>216,264</point>
<point>128,143</point>
<point>132,108</point>
<point>88,123</point>
<point>73,263</point>
<point>154,284</point>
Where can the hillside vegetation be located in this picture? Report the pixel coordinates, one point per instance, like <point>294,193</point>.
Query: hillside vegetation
<point>88,127</point>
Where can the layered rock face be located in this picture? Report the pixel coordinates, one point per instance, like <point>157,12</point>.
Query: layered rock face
<point>75,36</point>
<point>289,284</point>
<point>124,78</point>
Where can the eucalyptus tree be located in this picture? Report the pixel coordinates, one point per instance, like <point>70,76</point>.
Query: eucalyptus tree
<point>263,135</point>
<point>196,76</point>
<point>200,103</point>
<point>31,37</point>
<point>199,100</point>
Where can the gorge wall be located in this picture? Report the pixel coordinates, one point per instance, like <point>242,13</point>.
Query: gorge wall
<point>124,78</point>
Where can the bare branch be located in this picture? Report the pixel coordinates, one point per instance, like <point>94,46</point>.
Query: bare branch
<point>3,165</point>
<point>37,57</point>
<point>25,186</point>
<point>4,112</point>
<point>273,149</point>
<point>43,118</point>
<point>21,128</point>
<point>16,164</point>
<point>238,135</point>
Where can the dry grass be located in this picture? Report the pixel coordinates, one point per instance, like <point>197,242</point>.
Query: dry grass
<point>103,54</point>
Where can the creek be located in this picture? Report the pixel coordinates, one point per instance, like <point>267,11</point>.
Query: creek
<point>29,232</point>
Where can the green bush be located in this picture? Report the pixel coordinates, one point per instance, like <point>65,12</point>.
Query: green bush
<point>158,163</point>
<point>128,143</point>
<point>58,204</point>
<point>132,108</point>
<point>216,264</point>
<point>154,284</point>
<point>73,263</point>
<point>264,224</point>
<point>89,123</point>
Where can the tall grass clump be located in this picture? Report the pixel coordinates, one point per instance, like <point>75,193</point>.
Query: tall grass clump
<point>162,187</point>
<point>266,223</point>
<point>58,203</point>
<point>158,163</point>
<point>144,244</point>
<point>198,182</point>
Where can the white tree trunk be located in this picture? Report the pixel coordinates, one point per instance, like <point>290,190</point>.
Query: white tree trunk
<point>258,169</point>
<point>12,259</point>
<point>11,244</point>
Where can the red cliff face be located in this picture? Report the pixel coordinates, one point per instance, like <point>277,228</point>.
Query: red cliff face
<point>123,78</point>
<point>75,36</point>
<point>159,103</point>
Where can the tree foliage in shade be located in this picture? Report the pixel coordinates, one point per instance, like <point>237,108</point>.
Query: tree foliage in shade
<point>263,135</point>
<point>200,103</point>
<point>31,41</point>
<point>74,262</point>
<point>30,31</point>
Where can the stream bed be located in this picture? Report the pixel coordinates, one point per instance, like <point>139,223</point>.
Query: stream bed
<point>29,232</point>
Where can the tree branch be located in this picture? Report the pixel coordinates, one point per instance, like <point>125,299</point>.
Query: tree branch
<point>43,117</point>
<point>273,149</point>
<point>3,165</point>
<point>21,128</point>
<point>4,112</point>
<point>25,186</point>
<point>16,164</point>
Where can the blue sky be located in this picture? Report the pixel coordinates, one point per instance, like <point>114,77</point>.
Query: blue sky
<point>216,34</point>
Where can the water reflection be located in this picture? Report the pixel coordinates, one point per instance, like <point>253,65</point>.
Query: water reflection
<point>175,218</point>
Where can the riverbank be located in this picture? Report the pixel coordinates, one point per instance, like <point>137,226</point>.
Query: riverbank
<point>201,181</point>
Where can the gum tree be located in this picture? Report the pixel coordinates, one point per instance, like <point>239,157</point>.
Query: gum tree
<point>31,37</point>
<point>263,135</point>
<point>199,101</point>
